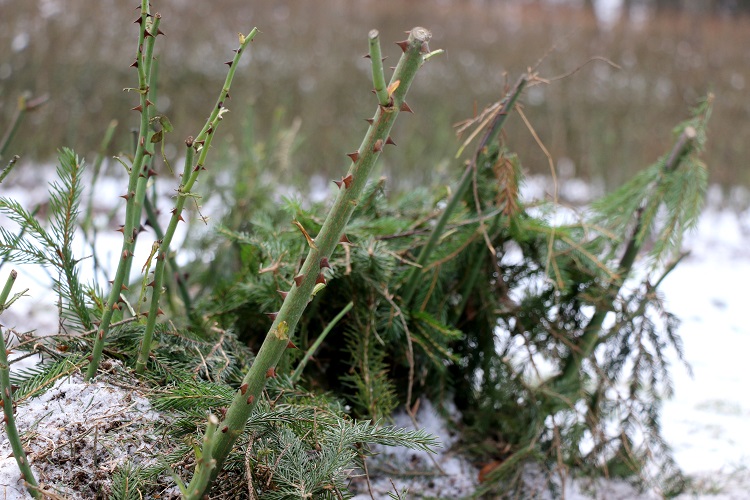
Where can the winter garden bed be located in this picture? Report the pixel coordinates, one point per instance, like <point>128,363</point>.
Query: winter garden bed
<point>267,374</point>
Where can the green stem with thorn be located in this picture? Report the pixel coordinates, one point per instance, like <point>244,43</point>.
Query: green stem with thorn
<point>189,177</point>
<point>10,422</point>
<point>350,188</point>
<point>136,183</point>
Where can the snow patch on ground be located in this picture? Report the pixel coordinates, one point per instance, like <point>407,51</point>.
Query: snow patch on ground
<point>77,433</point>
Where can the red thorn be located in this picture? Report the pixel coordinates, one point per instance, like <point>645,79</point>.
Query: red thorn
<point>153,282</point>
<point>271,372</point>
<point>146,34</point>
<point>123,288</point>
<point>390,141</point>
<point>243,389</point>
<point>151,172</point>
<point>424,49</point>
<point>135,63</point>
<point>403,44</point>
<point>338,183</point>
<point>147,152</point>
<point>320,279</point>
<point>405,107</point>
<point>272,315</point>
<point>159,32</point>
<point>159,312</point>
<point>366,56</point>
<point>298,279</point>
<point>324,263</point>
<point>126,254</point>
<point>250,399</point>
<point>378,146</point>
<point>283,294</point>
<point>229,63</point>
<point>126,197</point>
<point>348,181</point>
<point>116,306</point>
<point>138,21</point>
<point>138,108</point>
<point>344,239</point>
<point>370,120</point>
<point>225,430</point>
<point>149,103</point>
<point>290,345</point>
<point>354,156</point>
<point>101,334</point>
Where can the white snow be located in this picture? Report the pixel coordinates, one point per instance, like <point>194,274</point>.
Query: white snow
<point>77,432</point>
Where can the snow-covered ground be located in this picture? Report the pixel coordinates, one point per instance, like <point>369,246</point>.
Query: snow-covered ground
<point>705,422</point>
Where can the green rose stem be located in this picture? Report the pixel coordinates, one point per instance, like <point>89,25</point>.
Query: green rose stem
<point>378,77</point>
<point>189,175</point>
<point>139,175</point>
<point>569,380</point>
<point>277,340</point>
<point>9,420</point>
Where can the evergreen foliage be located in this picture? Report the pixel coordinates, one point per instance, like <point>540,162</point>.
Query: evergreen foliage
<point>537,325</point>
<point>53,246</point>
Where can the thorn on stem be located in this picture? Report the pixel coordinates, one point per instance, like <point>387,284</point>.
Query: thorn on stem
<point>283,294</point>
<point>250,399</point>
<point>404,44</point>
<point>299,279</point>
<point>354,156</point>
<point>271,372</point>
<point>272,315</point>
<point>290,345</point>
<point>243,389</point>
<point>324,263</point>
<point>390,141</point>
<point>378,147</point>
<point>405,107</point>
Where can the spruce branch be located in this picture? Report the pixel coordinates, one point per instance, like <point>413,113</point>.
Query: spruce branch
<point>331,234</point>
<point>479,157</point>
<point>7,394</point>
<point>688,143</point>
<point>189,177</point>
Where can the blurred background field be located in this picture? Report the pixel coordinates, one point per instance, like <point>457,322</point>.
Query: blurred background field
<point>305,76</point>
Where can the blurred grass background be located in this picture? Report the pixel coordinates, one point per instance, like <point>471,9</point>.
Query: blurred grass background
<point>305,72</point>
